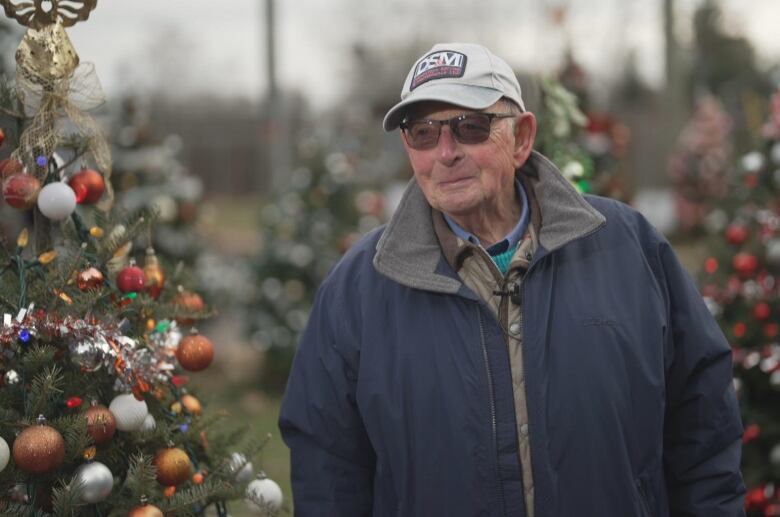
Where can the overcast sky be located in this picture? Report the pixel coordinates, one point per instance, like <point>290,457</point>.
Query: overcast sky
<point>218,45</point>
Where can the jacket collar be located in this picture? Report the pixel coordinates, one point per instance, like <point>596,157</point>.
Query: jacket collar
<point>409,251</point>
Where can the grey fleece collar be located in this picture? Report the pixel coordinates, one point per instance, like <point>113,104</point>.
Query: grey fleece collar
<point>409,252</point>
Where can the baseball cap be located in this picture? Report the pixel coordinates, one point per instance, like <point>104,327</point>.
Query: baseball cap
<point>461,74</point>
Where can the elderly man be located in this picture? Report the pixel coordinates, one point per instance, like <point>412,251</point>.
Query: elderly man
<point>506,346</point>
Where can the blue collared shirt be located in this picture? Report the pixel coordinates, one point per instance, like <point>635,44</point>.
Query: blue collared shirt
<point>512,238</point>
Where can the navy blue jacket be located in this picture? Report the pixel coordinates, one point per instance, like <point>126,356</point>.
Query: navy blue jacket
<point>400,398</point>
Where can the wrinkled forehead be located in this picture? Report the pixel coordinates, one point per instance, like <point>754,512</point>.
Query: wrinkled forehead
<point>442,110</point>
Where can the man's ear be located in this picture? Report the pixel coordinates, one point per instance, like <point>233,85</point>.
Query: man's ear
<point>525,136</point>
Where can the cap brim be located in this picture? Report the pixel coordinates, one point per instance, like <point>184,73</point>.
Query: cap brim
<point>463,95</point>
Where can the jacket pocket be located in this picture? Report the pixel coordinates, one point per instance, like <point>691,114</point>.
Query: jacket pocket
<point>644,505</point>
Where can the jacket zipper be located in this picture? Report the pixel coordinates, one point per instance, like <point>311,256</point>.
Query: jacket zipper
<point>492,406</point>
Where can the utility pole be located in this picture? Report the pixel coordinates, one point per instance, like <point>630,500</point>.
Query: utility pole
<point>276,128</point>
<point>675,108</point>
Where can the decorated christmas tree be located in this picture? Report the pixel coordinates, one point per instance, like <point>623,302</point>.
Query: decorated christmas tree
<point>95,414</point>
<point>740,284</point>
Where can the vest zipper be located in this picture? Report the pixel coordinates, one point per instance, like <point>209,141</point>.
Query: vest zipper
<point>492,406</point>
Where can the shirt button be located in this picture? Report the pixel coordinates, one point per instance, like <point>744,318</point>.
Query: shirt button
<point>524,429</point>
<point>514,329</point>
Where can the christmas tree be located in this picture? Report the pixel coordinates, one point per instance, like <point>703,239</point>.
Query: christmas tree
<point>324,207</point>
<point>95,415</point>
<point>739,282</point>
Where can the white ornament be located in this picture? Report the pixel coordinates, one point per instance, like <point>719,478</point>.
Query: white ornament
<point>57,201</point>
<point>149,425</point>
<point>5,454</point>
<point>95,480</point>
<point>752,162</point>
<point>129,412</point>
<point>263,494</point>
<point>241,469</point>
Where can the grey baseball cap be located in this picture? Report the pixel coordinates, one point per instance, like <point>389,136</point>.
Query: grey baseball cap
<point>462,74</point>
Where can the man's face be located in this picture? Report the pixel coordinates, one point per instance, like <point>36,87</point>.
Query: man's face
<point>466,179</point>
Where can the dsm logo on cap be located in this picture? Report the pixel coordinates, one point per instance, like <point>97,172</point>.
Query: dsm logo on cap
<point>438,65</point>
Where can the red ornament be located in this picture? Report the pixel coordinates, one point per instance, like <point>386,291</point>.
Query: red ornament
<point>711,265</point>
<point>88,185</point>
<point>91,279</point>
<point>179,380</point>
<point>9,166</point>
<point>755,498</point>
<point>2,136</point>
<point>745,264</point>
<point>740,329</point>
<point>751,180</point>
<point>752,432</point>
<point>73,402</point>
<point>761,311</point>
<point>770,330</point>
<point>189,302</point>
<point>195,352</point>
<point>131,279</point>
<point>21,191</point>
<point>736,234</point>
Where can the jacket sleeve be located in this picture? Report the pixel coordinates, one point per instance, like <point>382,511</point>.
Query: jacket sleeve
<point>703,429</point>
<point>332,460</point>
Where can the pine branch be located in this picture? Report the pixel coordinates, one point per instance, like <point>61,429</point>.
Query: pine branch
<point>141,476</point>
<point>66,498</point>
<point>44,386</point>
<point>38,358</point>
<point>182,502</point>
<point>74,430</point>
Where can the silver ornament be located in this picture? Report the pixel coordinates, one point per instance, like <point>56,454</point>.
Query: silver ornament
<point>88,353</point>
<point>263,495</point>
<point>752,162</point>
<point>95,481</point>
<point>773,252</point>
<point>774,455</point>
<point>751,291</point>
<point>11,378</point>
<point>5,454</point>
<point>241,469</point>
<point>149,425</point>
<point>128,412</point>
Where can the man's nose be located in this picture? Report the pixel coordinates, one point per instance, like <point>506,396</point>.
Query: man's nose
<point>448,148</point>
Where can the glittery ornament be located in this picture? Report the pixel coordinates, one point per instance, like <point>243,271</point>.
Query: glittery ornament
<point>39,449</point>
<point>263,494</point>
<point>128,412</point>
<point>195,352</point>
<point>191,404</point>
<point>5,454</point>
<point>241,469</point>
<point>56,201</point>
<point>173,466</point>
<point>188,302</point>
<point>91,279</point>
<point>131,279</point>
<point>21,191</point>
<point>89,186</point>
<point>11,378</point>
<point>101,424</point>
<point>96,481</point>
<point>155,276</point>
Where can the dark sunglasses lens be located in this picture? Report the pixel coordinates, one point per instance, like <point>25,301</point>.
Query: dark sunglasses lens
<point>472,129</point>
<point>423,134</point>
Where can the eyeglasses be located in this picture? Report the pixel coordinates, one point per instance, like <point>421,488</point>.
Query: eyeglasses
<point>470,128</point>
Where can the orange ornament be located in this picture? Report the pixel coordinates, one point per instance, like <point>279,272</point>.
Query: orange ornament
<point>101,424</point>
<point>147,510</point>
<point>191,404</point>
<point>155,276</point>
<point>195,352</point>
<point>173,466</point>
<point>39,449</point>
<point>198,478</point>
<point>189,302</point>
<point>169,491</point>
<point>89,185</point>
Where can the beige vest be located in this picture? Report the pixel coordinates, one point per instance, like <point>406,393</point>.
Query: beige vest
<point>480,274</point>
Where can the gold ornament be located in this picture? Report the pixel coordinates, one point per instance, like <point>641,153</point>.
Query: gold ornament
<point>176,407</point>
<point>173,466</point>
<point>36,15</point>
<point>191,404</point>
<point>46,55</point>
<point>195,352</point>
<point>39,449</point>
<point>155,276</point>
<point>96,232</point>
